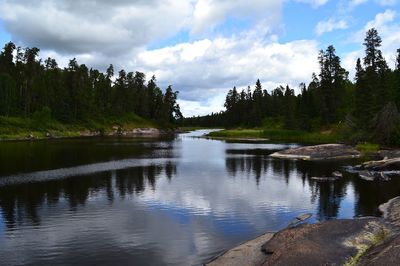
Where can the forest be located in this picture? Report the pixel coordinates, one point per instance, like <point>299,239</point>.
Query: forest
<point>363,110</point>
<point>41,90</point>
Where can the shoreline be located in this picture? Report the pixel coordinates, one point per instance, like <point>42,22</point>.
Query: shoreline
<point>245,253</point>
<point>249,139</point>
<point>356,240</point>
<point>143,132</point>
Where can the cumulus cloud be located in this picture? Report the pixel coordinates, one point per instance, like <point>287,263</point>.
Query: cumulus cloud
<point>357,2</point>
<point>330,25</point>
<point>389,31</point>
<point>209,13</point>
<point>386,2</point>
<point>354,3</point>
<point>381,19</point>
<point>93,26</point>
<point>207,68</point>
<point>314,3</point>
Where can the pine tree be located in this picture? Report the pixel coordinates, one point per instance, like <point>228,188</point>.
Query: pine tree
<point>257,105</point>
<point>373,56</point>
<point>332,81</point>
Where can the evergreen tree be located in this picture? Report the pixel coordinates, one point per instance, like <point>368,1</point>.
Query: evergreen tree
<point>29,87</point>
<point>257,110</point>
<point>373,56</point>
<point>372,87</point>
<point>332,81</point>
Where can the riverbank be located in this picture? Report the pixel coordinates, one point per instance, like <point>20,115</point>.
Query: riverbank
<point>290,136</point>
<point>16,128</point>
<point>363,241</point>
<point>280,135</point>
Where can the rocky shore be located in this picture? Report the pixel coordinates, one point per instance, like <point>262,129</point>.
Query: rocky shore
<point>115,132</point>
<point>363,241</point>
<point>319,152</point>
<point>136,132</point>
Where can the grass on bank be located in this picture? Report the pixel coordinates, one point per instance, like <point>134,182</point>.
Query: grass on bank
<point>237,133</point>
<point>374,240</point>
<point>367,149</point>
<point>280,135</point>
<point>41,123</point>
<point>187,129</point>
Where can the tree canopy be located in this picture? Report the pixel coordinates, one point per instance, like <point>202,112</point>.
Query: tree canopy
<point>76,93</point>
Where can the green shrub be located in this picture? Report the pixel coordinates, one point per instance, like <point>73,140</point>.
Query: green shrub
<point>42,119</point>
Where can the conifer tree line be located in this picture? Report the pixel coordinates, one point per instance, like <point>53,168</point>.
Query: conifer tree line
<point>77,93</point>
<point>366,109</point>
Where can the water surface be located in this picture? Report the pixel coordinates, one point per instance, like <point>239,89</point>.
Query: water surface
<point>160,202</point>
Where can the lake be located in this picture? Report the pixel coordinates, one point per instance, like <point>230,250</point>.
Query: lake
<point>177,201</point>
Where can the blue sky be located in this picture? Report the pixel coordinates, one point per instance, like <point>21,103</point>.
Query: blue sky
<point>202,47</point>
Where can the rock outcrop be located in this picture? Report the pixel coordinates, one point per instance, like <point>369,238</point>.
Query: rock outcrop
<point>331,242</point>
<point>324,178</point>
<point>364,241</point>
<point>392,164</point>
<point>388,154</point>
<point>319,152</point>
<point>391,211</point>
<point>248,253</point>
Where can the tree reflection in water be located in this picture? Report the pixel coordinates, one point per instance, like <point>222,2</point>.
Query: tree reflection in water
<point>328,195</point>
<point>22,203</point>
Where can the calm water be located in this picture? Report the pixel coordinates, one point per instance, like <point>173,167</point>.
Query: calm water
<point>159,202</point>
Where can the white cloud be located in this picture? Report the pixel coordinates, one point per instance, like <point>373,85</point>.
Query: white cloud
<point>389,31</point>
<point>214,105</point>
<point>330,25</point>
<point>349,61</point>
<point>207,72</point>
<point>75,28</point>
<point>357,2</point>
<point>386,2</point>
<point>354,3</point>
<point>381,19</point>
<point>209,13</point>
<point>314,3</point>
<point>350,5</point>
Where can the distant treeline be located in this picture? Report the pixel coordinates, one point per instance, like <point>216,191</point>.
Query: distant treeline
<point>364,110</point>
<point>76,93</point>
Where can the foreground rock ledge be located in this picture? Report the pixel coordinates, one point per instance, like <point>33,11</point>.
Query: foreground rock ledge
<point>248,253</point>
<point>365,241</point>
<point>319,152</point>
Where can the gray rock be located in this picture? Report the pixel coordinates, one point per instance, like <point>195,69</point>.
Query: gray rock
<point>324,178</point>
<point>319,152</point>
<point>383,176</point>
<point>331,242</point>
<point>366,175</point>
<point>389,154</point>
<point>337,174</point>
<point>391,211</point>
<point>382,165</point>
<point>299,219</point>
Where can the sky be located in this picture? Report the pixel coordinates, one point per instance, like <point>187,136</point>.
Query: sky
<point>202,47</point>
